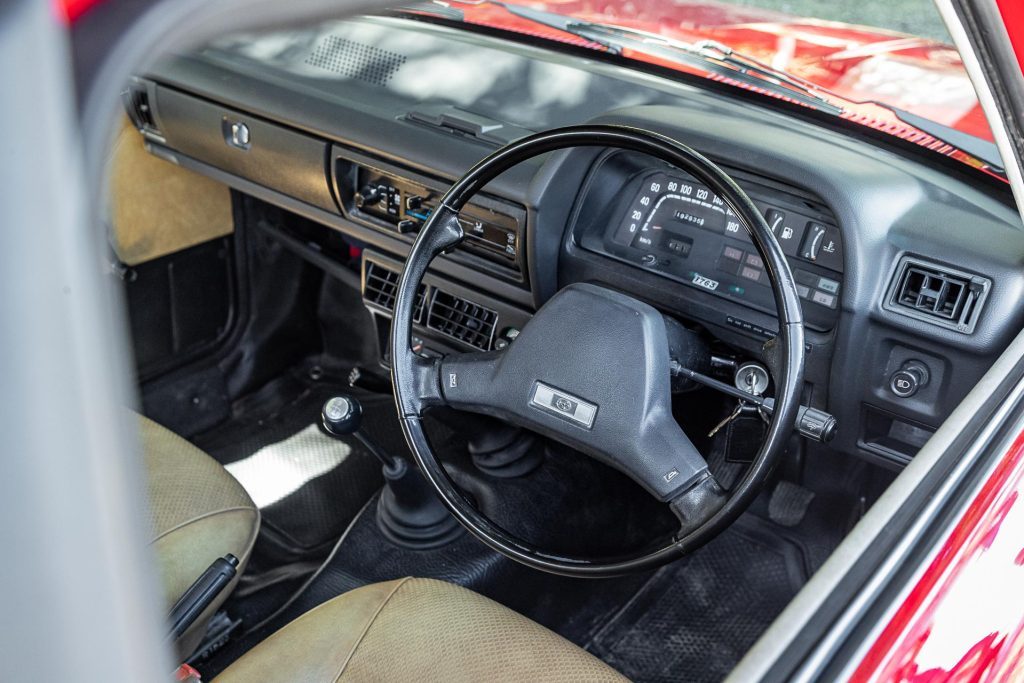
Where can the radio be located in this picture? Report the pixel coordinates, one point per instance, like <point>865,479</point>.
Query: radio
<point>401,202</point>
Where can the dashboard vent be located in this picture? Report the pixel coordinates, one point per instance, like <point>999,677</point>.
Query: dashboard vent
<point>136,99</point>
<point>461,319</point>
<point>937,294</point>
<point>381,286</point>
<point>355,60</point>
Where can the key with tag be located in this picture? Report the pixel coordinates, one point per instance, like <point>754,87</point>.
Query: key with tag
<point>728,418</point>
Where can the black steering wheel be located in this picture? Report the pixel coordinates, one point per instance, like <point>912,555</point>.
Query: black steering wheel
<point>592,370</point>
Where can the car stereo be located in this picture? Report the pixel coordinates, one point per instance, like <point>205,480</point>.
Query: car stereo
<point>379,195</point>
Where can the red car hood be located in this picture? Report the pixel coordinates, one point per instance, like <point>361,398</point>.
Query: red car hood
<point>858,65</point>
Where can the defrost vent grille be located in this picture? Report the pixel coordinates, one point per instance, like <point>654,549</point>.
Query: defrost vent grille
<point>355,60</point>
<point>937,294</point>
<point>462,320</point>
<point>381,287</point>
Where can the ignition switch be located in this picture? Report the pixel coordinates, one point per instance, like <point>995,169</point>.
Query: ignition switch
<point>752,378</point>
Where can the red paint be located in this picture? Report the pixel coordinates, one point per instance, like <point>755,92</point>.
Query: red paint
<point>851,64</point>
<point>70,10</point>
<point>998,656</point>
<point>1012,12</point>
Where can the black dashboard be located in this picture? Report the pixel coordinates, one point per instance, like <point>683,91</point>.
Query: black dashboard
<point>359,126</point>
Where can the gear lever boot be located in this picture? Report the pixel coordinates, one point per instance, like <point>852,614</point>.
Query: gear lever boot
<point>409,513</point>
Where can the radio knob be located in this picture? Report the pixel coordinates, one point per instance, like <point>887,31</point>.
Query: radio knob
<point>368,195</point>
<point>413,202</point>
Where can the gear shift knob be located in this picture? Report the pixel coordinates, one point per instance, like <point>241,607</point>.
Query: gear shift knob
<point>342,415</point>
<point>408,511</point>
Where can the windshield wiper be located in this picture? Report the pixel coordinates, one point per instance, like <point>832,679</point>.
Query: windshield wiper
<point>718,59</point>
<point>707,55</point>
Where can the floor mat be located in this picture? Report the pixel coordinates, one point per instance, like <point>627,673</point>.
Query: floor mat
<point>694,619</point>
<point>308,485</point>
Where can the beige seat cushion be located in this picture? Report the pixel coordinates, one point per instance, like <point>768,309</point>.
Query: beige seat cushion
<point>198,512</point>
<point>415,630</point>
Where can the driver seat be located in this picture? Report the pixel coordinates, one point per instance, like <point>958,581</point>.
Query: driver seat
<point>415,630</point>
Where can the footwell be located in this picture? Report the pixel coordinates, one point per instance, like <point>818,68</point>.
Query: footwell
<point>696,618</point>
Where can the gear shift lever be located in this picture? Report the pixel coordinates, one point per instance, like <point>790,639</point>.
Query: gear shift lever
<point>408,511</point>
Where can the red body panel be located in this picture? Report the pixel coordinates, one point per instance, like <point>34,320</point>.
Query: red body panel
<point>1012,12</point>
<point>858,65</point>
<point>963,620</point>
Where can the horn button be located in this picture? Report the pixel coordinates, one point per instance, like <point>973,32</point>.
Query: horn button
<point>590,369</point>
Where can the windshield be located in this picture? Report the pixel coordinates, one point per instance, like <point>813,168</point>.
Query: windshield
<point>886,64</point>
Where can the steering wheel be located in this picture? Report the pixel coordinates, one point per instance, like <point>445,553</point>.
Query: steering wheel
<point>592,370</point>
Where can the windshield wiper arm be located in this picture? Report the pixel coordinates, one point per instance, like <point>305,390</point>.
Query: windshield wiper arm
<point>707,55</point>
<point>719,59</point>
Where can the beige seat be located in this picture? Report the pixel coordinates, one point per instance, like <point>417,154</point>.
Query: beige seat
<point>415,630</point>
<point>198,513</point>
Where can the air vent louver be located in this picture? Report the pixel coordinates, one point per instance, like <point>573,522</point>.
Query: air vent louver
<point>139,109</point>
<point>461,319</point>
<point>381,286</point>
<point>937,294</point>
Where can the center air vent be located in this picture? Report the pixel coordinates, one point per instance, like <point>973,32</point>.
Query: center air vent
<point>381,286</point>
<point>937,294</point>
<point>355,60</point>
<point>462,320</point>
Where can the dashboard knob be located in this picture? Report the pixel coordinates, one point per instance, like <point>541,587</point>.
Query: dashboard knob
<point>368,195</point>
<point>909,379</point>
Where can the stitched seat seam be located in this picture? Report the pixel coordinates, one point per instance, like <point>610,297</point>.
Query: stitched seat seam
<point>366,629</point>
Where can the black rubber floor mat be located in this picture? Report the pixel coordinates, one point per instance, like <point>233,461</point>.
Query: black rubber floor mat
<point>694,619</point>
<point>308,485</point>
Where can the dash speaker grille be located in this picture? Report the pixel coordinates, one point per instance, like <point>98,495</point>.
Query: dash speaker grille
<point>355,60</point>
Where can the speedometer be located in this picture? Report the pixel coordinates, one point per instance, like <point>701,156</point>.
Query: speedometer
<point>665,207</point>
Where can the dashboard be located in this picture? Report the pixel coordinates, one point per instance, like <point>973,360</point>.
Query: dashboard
<point>909,271</point>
